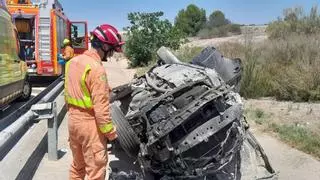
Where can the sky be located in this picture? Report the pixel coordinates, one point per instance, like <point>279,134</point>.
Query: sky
<point>115,12</point>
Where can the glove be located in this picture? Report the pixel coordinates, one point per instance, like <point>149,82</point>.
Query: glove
<point>61,61</point>
<point>112,137</point>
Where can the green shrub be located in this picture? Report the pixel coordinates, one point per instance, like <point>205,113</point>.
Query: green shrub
<point>221,31</point>
<point>146,34</point>
<point>295,21</point>
<point>234,28</point>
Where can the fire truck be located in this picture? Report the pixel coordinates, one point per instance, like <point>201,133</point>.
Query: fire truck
<point>42,26</point>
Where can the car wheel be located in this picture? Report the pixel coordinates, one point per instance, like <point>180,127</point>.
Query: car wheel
<point>26,91</point>
<point>126,136</point>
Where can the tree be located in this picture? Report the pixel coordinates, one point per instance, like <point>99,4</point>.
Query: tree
<point>217,19</point>
<point>146,34</point>
<point>191,20</point>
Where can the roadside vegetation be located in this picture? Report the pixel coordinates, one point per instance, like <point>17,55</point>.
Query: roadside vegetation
<point>295,22</point>
<point>288,69</point>
<point>218,26</point>
<point>296,135</point>
<point>147,33</point>
<point>286,66</point>
<point>193,21</point>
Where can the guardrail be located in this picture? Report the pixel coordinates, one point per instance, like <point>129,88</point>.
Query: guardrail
<point>5,122</point>
<point>37,109</point>
<point>48,111</point>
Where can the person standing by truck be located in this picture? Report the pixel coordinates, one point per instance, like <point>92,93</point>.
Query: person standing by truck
<point>87,99</point>
<point>68,53</point>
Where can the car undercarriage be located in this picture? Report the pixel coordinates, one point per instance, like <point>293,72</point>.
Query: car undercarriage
<point>185,120</point>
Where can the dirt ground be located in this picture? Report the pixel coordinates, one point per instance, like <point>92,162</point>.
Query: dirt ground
<point>284,112</point>
<point>117,70</point>
<point>289,162</point>
<point>217,41</point>
<point>249,33</point>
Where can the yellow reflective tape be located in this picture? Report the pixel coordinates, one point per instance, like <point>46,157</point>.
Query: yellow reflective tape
<point>106,128</point>
<point>87,98</point>
<point>86,101</point>
<point>66,78</point>
<point>75,102</point>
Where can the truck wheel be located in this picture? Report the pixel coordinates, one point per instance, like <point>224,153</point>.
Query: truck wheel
<point>126,136</point>
<point>26,91</point>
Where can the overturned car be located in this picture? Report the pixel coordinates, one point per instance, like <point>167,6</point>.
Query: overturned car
<point>185,120</point>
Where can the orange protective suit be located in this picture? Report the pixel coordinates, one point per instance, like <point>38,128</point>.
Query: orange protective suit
<point>87,98</point>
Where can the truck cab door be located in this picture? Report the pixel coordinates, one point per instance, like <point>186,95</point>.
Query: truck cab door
<point>79,36</point>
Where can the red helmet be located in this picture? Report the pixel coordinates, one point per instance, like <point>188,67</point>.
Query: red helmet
<point>110,35</point>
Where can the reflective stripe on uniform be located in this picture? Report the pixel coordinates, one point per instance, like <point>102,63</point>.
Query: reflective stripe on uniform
<point>106,128</point>
<point>86,95</point>
<point>85,101</point>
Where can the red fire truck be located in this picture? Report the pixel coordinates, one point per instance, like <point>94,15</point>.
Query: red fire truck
<point>42,26</point>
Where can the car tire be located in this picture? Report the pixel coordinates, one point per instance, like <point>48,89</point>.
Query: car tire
<point>26,91</point>
<point>126,136</point>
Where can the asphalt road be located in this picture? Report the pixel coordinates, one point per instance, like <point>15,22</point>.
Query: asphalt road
<point>16,104</point>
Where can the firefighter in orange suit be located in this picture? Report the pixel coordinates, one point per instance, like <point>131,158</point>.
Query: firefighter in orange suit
<point>68,54</point>
<point>68,50</point>
<point>87,98</point>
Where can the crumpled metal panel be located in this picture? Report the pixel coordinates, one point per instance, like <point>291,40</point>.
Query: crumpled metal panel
<point>180,74</point>
<point>203,132</point>
<point>228,69</point>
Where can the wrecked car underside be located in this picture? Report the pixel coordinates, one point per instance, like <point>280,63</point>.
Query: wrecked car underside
<point>185,120</point>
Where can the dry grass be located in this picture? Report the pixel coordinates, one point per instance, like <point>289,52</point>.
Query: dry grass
<point>187,53</point>
<point>288,69</point>
<point>295,21</point>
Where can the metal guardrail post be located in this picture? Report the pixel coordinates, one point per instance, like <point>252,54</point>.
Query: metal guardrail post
<point>53,135</point>
<point>49,111</point>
